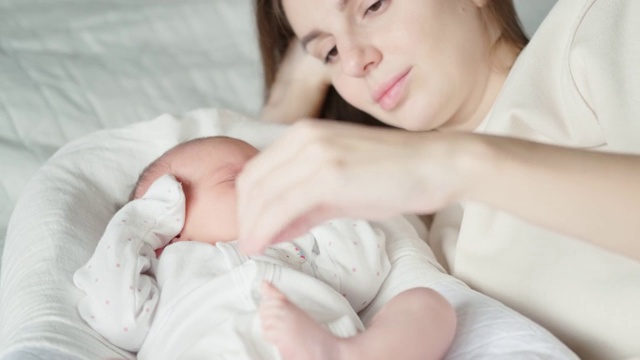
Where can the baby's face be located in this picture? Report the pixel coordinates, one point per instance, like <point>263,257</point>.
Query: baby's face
<point>207,170</point>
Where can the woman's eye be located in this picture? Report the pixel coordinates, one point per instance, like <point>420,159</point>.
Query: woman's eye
<point>331,54</point>
<point>374,7</point>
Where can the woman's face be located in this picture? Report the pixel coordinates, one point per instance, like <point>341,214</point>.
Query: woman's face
<point>415,64</point>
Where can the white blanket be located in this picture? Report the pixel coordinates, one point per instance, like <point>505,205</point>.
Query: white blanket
<point>65,208</point>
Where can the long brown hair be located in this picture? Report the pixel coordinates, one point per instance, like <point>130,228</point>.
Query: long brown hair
<point>503,14</point>
<point>275,33</point>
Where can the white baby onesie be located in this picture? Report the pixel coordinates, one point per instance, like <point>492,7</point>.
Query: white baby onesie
<point>200,300</point>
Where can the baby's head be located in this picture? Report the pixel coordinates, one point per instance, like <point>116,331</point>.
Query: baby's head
<point>207,169</point>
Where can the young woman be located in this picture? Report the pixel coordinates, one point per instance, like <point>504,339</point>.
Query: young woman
<point>549,226</point>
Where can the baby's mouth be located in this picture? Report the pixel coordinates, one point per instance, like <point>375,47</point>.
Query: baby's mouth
<point>159,252</point>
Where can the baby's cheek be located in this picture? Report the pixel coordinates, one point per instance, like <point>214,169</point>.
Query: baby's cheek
<point>227,219</point>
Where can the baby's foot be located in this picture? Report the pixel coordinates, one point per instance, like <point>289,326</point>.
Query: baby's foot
<point>293,331</point>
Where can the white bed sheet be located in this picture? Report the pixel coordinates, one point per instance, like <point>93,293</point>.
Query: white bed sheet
<point>68,68</point>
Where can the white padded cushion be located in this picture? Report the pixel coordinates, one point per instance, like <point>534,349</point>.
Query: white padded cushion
<point>62,214</point>
<point>66,206</point>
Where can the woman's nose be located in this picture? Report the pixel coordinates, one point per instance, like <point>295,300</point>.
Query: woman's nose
<point>358,59</point>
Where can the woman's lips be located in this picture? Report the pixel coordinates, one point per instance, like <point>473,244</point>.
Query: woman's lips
<point>391,93</point>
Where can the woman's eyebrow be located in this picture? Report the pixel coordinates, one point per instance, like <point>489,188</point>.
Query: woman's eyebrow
<point>309,38</point>
<point>341,5</point>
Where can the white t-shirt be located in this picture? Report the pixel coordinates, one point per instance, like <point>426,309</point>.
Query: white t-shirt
<point>576,84</point>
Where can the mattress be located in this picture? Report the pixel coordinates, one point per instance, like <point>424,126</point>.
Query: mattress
<point>69,68</point>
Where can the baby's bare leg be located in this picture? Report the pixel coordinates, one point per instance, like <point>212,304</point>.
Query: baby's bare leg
<point>293,331</point>
<point>416,324</point>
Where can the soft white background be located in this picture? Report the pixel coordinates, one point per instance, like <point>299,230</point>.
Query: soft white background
<point>532,11</point>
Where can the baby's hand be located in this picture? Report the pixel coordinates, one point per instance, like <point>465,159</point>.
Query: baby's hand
<point>163,206</point>
<point>155,218</point>
<point>124,260</point>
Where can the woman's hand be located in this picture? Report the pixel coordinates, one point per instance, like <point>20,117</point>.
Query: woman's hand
<point>323,169</point>
<point>320,170</point>
<point>299,89</point>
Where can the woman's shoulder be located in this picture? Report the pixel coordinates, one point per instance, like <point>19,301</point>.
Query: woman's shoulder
<point>573,84</point>
<point>603,65</point>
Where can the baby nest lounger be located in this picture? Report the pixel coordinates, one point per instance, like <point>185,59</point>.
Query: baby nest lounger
<point>66,206</point>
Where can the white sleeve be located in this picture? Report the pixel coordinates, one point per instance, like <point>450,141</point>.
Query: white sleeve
<point>413,264</point>
<point>118,280</point>
<point>352,259</point>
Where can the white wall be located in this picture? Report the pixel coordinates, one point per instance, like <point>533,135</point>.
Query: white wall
<point>532,12</point>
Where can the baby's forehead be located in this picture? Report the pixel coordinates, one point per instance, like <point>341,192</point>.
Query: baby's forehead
<point>196,159</point>
<point>214,144</point>
<point>203,156</point>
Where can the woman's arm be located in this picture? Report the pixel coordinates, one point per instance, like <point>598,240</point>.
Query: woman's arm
<point>299,89</point>
<point>590,195</point>
<point>320,170</point>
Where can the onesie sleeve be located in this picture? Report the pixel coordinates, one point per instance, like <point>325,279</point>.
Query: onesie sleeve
<point>121,292</point>
<point>413,264</point>
<point>352,259</point>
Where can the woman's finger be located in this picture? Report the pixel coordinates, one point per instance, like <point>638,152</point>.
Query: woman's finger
<point>259,195</point>
<point>270,160</point>
<point>344,171</point>
<point>283,163</point>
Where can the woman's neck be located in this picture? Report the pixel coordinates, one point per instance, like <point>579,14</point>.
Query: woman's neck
<point>503,58</point>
